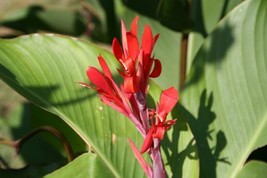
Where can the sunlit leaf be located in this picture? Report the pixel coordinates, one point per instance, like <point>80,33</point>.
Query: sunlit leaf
<point>46,69</point>
<point>85,166</point>
<point>206,15</point>
<point>224,100</point>
<point>256,169</point>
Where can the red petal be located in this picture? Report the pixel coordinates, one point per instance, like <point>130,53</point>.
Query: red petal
<point>156,70</point>
<point>133,45</point>
<point>98,79</point>
<point>140,159</point>
<point>168,100</point>
<point>134,25</point>
<point>147,40</point>
<point>159,133</point>
<point>116,106</point>
<point>123,36</point>
<point>169,123</point>
<point>116,48</point>
<point>148,141</point>
<point>104,67</point>
<point>130,84</point>
<point>129,66</point>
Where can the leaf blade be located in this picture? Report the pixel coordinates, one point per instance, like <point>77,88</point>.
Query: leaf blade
<point>47,75</point>
<point>225,95</point>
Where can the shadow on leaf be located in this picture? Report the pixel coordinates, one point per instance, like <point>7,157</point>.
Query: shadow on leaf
<point>213,52</point>
<point>200,126</point>
<point>175,156</point>
<point>209,156</point>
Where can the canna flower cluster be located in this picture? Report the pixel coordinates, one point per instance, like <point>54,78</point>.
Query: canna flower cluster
<point>129,98</point>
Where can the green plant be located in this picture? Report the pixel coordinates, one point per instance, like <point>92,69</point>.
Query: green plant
<point>220,73</point>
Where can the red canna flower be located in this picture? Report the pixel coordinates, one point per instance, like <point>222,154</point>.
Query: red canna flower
<point>159,125</point>
<point>138,64</point>
<point>148,43</point>
<point>135,58</point>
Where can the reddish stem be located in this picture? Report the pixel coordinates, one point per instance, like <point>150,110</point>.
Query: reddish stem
<point>18,143</point>
<point>158,166</point>
<point>155,155</point>
<point>184,46</point>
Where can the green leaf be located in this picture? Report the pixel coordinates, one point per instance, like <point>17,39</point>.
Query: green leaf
<point>179,150</point>
<point>255,169</point>
<point>224,100</point>
<point>86,165</point>
<point>45,69</point>
<point>206,15</point>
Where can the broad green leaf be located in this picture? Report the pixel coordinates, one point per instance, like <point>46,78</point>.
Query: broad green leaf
<point>256,169</point>
<point>206,15</point>
<point>224,100</point>
<point>229,5</point>
<point>45,69</point>
<point>179,150</point>
<point>86,165</point>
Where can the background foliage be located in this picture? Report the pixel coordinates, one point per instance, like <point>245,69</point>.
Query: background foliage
<point>221,115</point>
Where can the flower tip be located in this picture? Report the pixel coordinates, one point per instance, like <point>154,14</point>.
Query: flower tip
<point>168,100</point>
<point>144,149</point>
<point>148,141</point>
<point>171,92</point>
<point>134,25</point>
<point>84,84</point>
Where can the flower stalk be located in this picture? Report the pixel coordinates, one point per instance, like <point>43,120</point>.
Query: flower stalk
<point>137,66</point>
